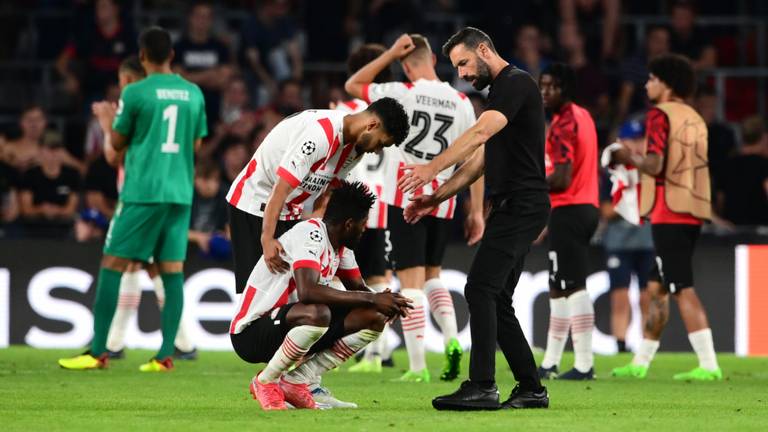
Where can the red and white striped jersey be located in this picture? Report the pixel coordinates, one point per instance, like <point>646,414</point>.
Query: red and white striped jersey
<point>370,171</point>
<point>306,246</point>
<point>307,150</point>
<point>439,114</point>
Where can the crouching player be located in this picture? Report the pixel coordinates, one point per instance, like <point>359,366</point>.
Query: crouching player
<point>295,317</point>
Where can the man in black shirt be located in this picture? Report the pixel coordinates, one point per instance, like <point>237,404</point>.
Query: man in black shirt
<point>507,144</point>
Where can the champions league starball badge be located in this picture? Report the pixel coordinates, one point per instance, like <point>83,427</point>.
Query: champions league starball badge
<point>308,148</point>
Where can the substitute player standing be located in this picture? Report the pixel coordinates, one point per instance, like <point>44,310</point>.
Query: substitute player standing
<point>161,120</point>
<point>675,194</point>
<point>507,143</point>
<point>297,161</point>
<point>571,167</point>
<point>287,317</point>
<point>438,114</point>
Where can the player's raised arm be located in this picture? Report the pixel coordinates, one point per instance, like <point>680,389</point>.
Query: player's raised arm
<point>358,83</point>
<point>487,125</point>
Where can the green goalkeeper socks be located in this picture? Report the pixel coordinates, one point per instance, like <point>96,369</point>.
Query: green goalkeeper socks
<point>107,291</point>
<point>171,314</point>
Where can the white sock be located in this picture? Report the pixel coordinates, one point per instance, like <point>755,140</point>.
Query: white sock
<point>441,305</point>
<point>127,304</point>
<point>413,330</point>
<point>701,341</point>
<point>645,352</point>
<point>557,334</point>
<point>582,314</point>
<point>319,363</point>
<point>296,343</point>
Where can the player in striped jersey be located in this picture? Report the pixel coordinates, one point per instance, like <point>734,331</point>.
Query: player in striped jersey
<point>372,253</point>
<point>298,159</point>
<point>438,114</point>
<point>284,318</point>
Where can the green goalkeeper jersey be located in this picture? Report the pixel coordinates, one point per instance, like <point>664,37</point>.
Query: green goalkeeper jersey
<point>162,116</point>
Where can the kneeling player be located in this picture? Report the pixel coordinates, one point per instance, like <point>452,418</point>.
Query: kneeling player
<point>287,317</point>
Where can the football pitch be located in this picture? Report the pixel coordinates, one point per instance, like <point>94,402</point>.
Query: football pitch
<point>212,394</point>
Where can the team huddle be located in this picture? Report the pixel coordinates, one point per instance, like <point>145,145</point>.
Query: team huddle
<point>334,201</point>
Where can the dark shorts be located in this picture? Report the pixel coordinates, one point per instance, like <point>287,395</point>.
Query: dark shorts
<point>674,255</point>
<point>622,264</point>
<point>570,230</point>
<point>417,245</point>
<point>371,253</point>
<point>246,242</point>
<point>258,342</point>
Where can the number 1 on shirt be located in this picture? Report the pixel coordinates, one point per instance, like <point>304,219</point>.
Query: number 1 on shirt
<point>170,113</point>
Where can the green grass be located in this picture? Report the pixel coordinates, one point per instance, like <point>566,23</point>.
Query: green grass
<point>212,394</point>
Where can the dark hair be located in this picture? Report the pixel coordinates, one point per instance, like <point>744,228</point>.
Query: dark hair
<point>676,72</point>
<point>133,65</point>
<point>206,168</point>
<point>752,130</point>
<point>393,118</point>
<point>156,44</point>
<point>564,77</point>
<point>470,37</point>
<point>349,201</point>
<point>366,54</point>
<point>31,107</point>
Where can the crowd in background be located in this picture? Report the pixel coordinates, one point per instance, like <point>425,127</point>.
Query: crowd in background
<point>260,61</point>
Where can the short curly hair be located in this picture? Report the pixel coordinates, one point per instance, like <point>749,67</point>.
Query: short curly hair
<point>349,201</point>
<point>676,72</point>
<point>393,118</point>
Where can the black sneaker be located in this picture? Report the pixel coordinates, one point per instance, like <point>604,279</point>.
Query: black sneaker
<point>575,375</point>
<point>519,399</point>
<point>388,362</point>
<point>469,397</point>
<point>547,373</point>
<point>185,355</point>
<point>116,355</point>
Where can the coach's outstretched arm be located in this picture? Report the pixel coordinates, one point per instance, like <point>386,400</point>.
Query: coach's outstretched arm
<point>310,292</point>
<point>466,175</point>
<point>367,74</point>
<point>487,125</point>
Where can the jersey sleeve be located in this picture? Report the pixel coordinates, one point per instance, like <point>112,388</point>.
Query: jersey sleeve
<point>305,245</point>
<point>127,108</point>
<point>348,268</point>
<point>201,128</point>
<point>657,127</point>
<point>304,155</point>
<point>373,91</point>
<point>563,137</point>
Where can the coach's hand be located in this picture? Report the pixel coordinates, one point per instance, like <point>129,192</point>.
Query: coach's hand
<point>272,251</point>
<point>474,226</point>
<point>419,207</point>
<point>416,176</point>
<point>402,46</point>
<point>391,304</point>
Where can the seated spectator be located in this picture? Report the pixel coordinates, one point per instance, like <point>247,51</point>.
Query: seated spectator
<point>634,73</point>
<point>722,137</point>
<point>24,152</point>
<point>91,59</point>
<point>203,59</point>
<point>271,48</point>
<point>208,224</point>
<point>100,201</point>
<point>527,55</point>
<point>237,120</point>
<point>49,193</point>
<point>235,157</point>
<point>687,39</point>
<point>9,197</point>
<point>742,191</point>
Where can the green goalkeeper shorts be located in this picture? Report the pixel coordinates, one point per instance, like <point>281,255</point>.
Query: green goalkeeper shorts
<point>139,231</point>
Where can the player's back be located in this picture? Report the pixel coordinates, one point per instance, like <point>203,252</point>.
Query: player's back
<point>163,115</point>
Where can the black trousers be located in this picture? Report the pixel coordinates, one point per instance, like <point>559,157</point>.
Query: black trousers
<point>512,227</point>
<point>246,242</point>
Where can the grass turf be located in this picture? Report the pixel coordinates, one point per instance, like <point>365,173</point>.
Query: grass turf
<point>212,394</point>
